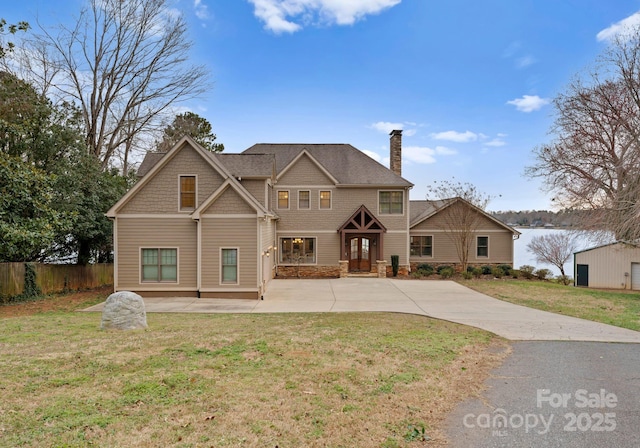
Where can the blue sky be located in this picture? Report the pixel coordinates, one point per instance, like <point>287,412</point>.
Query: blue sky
<point>469,82</point>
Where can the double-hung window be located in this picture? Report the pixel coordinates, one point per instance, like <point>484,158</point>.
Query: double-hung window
<point>391,202</point>
<point>187,192</point>
<point>159,265</point>
<point>229,264</point>
<point>421,246</point>
<point>482,247</point>
<point>283,200</point>
<point>325,199</point>
<point>303,199</point>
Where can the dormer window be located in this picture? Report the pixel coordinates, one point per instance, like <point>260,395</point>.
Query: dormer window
<point>187,192</point>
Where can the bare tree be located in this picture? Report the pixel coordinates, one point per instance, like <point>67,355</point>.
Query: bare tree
<point>460,207</point>
<point>593,163</point>
<point>554,249</point>
<point>125,64</point>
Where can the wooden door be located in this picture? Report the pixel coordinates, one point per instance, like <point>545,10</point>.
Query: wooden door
<point>359,254</point>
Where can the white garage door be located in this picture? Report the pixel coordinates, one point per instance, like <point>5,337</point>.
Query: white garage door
<point>635,276</point>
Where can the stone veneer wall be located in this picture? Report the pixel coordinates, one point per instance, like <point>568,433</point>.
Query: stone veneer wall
<point>402,270</point>
<point>308,272</point>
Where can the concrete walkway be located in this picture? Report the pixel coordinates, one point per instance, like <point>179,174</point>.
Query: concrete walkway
<point>446,300</point>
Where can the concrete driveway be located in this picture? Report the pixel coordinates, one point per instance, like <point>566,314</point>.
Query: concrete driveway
<point>446,300</point>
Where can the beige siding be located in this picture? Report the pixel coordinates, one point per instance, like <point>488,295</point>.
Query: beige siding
<point>444,248</point>
<point>608,265</point>
<point>305,172</point>
<point>240,233</point>
<point>396,244</point>
<point>230,202</point>
<point>160,195</point>
<point>135,234</point>
<point>257,188</point>
<point>344,202</point>
<point>438,221</point>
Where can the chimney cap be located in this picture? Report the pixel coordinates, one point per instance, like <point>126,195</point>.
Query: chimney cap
<point>396,132</point>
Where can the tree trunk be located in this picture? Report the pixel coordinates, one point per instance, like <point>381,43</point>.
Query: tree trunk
<point>84,253</point>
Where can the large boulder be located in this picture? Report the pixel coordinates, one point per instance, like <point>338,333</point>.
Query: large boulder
<point>124,310</point>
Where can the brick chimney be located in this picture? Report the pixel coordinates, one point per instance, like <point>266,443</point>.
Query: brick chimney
<point>395,152</point>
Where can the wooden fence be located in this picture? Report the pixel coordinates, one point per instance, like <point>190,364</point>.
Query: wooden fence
<point>53,278</point>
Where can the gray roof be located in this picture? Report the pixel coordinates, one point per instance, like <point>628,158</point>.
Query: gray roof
<point>239,165</point>
<point>346,164</point>
<point>149,161</point>
<point>421,209</point>
<point>248,165</point>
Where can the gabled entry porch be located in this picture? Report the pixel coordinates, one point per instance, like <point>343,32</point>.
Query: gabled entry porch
<point>362,244</point>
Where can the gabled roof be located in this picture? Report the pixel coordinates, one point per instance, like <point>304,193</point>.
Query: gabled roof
<point>149,161</point>
<point>230,183</point>
<point>422,210</point>
<point>614,243</point>
<point>161,159</point>
<point>248,165</point>
<point>344,163</point>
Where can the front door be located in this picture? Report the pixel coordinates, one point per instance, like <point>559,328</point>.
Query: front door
<point>582,277</point>
<point>359,254</point>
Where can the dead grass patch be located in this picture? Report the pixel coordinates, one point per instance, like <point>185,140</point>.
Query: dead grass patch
<point>339,380</point>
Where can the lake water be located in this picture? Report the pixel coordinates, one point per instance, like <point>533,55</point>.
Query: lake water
<point>522,256</point>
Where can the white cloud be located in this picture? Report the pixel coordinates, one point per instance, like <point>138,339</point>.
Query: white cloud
<point>424,155</point>
<point>620,29</point>
<point>525,61</point>
<point>529,103</point>
<point>387,127</point>
<point>374,155</point>
<point>496,142</point>
<point>279,15</point>
<point>202,10</point>
<point>455,136</point>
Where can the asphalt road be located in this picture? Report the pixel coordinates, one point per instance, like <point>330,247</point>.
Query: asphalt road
<point>556,394</point>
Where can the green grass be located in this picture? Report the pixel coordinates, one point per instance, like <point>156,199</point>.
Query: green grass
<point>619,308</point>
<point>234,380</point>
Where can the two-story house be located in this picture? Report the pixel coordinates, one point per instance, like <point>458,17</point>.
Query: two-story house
<point>223,225</point>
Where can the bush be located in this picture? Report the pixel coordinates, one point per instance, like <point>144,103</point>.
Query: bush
<point>443,267</point>
<point>31,288</point>
<point>446,272</point>
<point>486,270</point>
<point>467,275</point>
<point>477,272</point>
<point>426,269</point>
<point>542,274</point>
<point>527,271</point>
<point>505,268</point>
<point>470,268</point>
<point>497,272</point>
<point>395,264</point>
<point>564,279</point>
<point>515,273</point>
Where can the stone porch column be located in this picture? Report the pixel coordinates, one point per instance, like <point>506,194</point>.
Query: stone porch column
<point>344,268</point>
<point>382,268</point>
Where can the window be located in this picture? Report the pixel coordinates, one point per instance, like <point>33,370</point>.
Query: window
<point>391,202</point>
<point>298,250</point>
<point>303,199</point>
<point>283,199</point>
<point>421,246</point>
<point>159,265</point>
<point>325,199</point>
<point>187,192</point>
<point>229,265</point>
<point>483,246</point>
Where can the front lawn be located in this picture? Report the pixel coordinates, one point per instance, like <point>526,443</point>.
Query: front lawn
<point>289,380</point>
<point>619,308</point>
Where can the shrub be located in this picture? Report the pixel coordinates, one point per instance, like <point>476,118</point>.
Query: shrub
<point>515,273</point>
<point>542,274</point>
<point>446,272</point>
<point>443,267</point>
<point>467,275</point>
<point>416,274</point>
<point>527,271</point>
<point>470,268</point>
<point>505,268</point>
<point>497,272</point>
<point>486,270</point>
<point>477,272</point>
<point>395,264</point>
<point>426,269</point>
<point>564,279</point>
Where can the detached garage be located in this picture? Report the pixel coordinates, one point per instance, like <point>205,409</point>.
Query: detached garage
<point>613,266</point>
